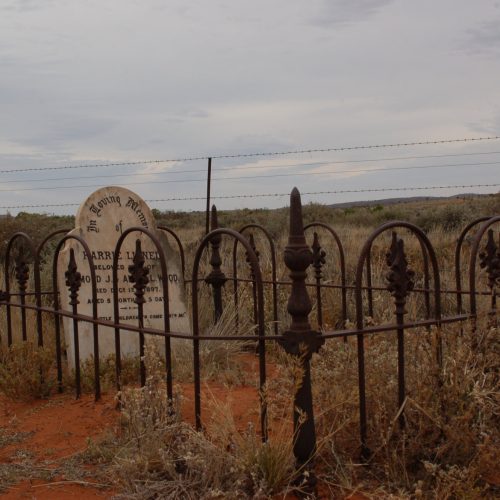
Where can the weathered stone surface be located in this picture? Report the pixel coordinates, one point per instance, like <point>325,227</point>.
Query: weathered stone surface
<point>100,221</point>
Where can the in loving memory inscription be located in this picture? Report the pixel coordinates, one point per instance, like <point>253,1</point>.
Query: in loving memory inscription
<point>100,221</point>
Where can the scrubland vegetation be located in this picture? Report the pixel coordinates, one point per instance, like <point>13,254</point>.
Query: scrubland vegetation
<point>448,449</point>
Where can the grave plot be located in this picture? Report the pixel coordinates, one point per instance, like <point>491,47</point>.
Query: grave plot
<point>100,222</point>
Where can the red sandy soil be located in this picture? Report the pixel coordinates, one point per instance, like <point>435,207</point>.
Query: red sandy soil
<point>61,426</point>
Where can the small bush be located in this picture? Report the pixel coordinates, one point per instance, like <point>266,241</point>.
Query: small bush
<point>26,371</point>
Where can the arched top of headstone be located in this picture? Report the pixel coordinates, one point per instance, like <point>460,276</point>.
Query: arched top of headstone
<point>109,206</point>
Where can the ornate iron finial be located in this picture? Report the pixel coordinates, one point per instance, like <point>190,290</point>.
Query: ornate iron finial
<point>216,278</point>
<point>400,278</point>
<point>22,271</point>
<point>489,259</point>
<point>298,257</point>
<point>138,273</point>
<point>318,257</point>
<point>251,240</point>
<point>73,279</point>
<point>215,241</point>
<point>214,220</point>
<point>318,261</point>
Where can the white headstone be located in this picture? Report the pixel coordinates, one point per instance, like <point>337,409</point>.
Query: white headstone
<point>100,221</point>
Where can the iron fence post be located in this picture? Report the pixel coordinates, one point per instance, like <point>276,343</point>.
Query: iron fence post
<point>209,181</point>
<point>300,340</point>
<point>400,280</point>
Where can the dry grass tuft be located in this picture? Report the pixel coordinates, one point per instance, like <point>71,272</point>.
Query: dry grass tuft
<point>26,371</point>
<point>155,455</point>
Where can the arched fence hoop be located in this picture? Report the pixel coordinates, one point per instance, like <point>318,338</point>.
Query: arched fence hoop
<point>341,254</point>
<point>425,246</point>
<point>254,263</point>
<point>22,294</point>
<point>458,258</point>
<point>38,293</point>
<point>74,304</point>
<point>272,248</point>
<point>486,225</point>
<point>166,311</point>
<point>51,235</point>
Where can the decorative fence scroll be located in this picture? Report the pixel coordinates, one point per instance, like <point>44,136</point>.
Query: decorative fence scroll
<point>22,291</point>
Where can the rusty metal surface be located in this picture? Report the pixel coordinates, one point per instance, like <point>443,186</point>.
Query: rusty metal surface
<point>74,316</point>
<point>343,280</point>
<point>300,339</point>
<point>458,258</point>
<point>208,239</point>
<point>474,254</point>
<point>273,282</point>
<point>400,283</point>
<point>216,278</point>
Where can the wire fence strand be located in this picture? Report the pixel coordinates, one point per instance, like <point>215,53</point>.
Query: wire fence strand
<point>269,195</point>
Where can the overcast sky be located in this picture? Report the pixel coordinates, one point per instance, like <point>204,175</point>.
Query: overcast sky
<point>122,80</point>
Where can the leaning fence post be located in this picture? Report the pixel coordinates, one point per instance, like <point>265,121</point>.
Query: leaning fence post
<point>216,278</point>
<point>300,340</point>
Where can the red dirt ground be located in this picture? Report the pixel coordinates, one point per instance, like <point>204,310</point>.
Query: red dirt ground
<point>61,426</point>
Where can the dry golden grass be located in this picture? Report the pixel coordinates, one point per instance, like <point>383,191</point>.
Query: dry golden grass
<point>448,449</point>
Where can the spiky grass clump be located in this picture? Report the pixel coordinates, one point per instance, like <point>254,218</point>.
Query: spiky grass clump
<point>155,455</point>
<point>218,358</point>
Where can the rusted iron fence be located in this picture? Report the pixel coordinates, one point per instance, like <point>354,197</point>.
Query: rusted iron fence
<point>294,333</point>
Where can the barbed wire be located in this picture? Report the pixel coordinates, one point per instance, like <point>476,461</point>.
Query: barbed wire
<point>271,176</point>
<point>257,154</point>
<point>263,195</point>
<point>272,167</point>
<point>337,191</point>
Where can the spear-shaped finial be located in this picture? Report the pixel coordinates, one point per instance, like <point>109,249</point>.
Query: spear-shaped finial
<point>296,236</point>
<point>214,223</point>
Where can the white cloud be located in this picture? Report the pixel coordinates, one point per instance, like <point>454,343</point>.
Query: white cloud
<point>89,82</point>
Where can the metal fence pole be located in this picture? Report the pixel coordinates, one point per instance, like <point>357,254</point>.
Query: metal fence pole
<point>209,181</point>
<point>300,340</point>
